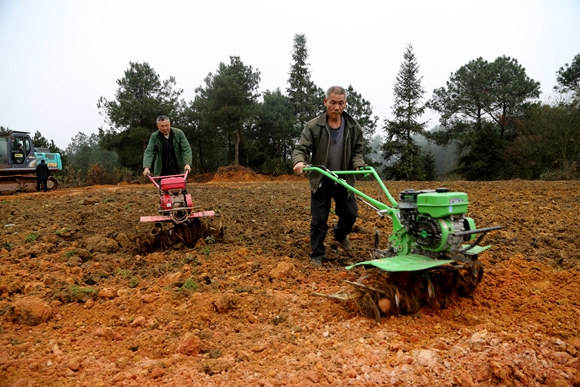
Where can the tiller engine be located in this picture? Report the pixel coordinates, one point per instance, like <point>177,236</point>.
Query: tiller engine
<point>431,253</point>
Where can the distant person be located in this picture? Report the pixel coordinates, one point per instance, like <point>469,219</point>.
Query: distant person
<point>168,151</point>
<point>18,155</point>
<point>16,146</point>
<point>42,174</point>
<point>335,140</point>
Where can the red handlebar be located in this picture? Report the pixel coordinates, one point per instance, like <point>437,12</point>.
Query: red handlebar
<point>154,179</point>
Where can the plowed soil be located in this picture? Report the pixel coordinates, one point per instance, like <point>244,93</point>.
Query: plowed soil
<point>87,300</point>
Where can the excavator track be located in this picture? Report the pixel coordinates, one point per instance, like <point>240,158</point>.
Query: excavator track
<point>23,183</point>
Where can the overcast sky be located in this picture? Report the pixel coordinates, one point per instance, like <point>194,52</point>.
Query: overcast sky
<point>57,57</point>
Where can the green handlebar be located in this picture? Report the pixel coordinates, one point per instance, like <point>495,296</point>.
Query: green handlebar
<point>366,170</point>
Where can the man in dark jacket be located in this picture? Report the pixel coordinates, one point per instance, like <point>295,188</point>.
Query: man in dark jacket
<point>168,151</point>
<point>42,174</point>
<point>335,140</point>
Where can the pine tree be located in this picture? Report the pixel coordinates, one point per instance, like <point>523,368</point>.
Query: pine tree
<point>361,110</point>
<point>568,78</point>
<point>305,97</point>
<point>482,107</point>
<point>229,101</point>
<point>140,98</point>
<point>403,154</point>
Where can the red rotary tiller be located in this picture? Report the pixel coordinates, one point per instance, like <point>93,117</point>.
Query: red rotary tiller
<point>175,204</point>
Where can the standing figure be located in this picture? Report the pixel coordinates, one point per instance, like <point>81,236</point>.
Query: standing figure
<point>42,174</point>
<point>168,151</point>
<point>333,139</point>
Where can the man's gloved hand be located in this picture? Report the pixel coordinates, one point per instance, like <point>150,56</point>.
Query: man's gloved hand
<point>187,168</point>
<point>298,167</point>
<point>146,172</point>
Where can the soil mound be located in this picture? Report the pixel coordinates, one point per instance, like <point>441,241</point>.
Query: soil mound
<point>238,173</point>
<point>234,174</point>
<point>201,178</point>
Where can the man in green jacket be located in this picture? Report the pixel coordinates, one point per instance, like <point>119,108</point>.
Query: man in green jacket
<point>335,140</point>
<point>168,150</point>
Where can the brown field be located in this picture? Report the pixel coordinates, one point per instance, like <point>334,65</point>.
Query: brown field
<point>87,299</point>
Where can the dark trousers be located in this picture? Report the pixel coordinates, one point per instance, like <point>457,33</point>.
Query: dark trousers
<point>41,184</point>
<point>346,209</point>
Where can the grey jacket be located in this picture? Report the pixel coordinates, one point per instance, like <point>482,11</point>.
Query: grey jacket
<point>315,140</point>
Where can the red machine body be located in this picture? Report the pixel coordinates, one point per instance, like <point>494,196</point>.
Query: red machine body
<point>172,184</point>
<point>175,203</point>
<point>166,202</point>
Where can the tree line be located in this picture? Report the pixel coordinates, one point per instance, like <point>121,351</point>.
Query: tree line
<point>490,113</point>
<point>229,122</point>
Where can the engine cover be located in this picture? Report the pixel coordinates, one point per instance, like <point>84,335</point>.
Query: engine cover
<point>442,204</point>
<point>172,184</point>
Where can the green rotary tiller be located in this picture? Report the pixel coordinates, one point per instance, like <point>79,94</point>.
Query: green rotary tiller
<point>431,253</point>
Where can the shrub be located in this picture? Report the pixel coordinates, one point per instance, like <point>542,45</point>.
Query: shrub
<point>276,167</point>
<point>569,173</point>
<point>97,174</point>
<point>123,174</point>
<point>71,177</point>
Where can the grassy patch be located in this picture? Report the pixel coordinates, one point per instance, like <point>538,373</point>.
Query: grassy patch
<point>123,272</point>
<point>62,231</point>
<point>189,284</point>
<point>133,282</point>
<point>31,237</point>
<point>81,293</point>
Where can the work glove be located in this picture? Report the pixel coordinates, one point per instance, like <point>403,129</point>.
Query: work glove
<point>146,172</point>
<point>187,168</point>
